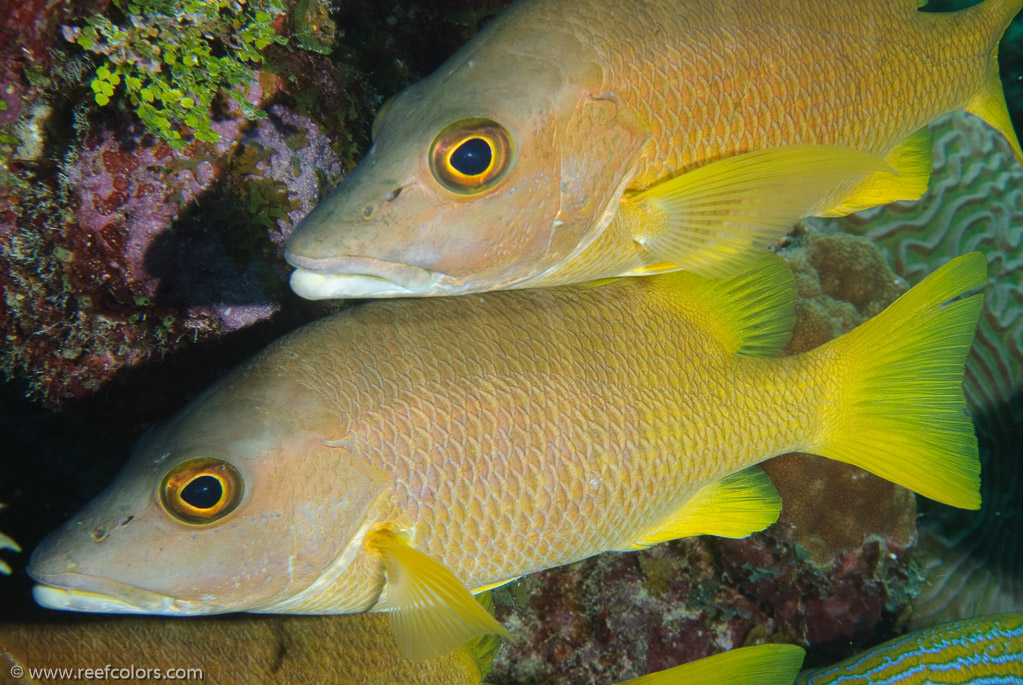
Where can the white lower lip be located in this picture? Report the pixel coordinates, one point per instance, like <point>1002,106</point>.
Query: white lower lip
<point>316,285</point>
<point>80,600</point>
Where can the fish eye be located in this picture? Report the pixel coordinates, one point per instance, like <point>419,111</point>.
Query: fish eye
<point>471,155</point>
<point>201,490</point>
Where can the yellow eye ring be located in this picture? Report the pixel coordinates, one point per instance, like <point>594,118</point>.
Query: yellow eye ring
<point>471,155</point>
<point>201,490</point>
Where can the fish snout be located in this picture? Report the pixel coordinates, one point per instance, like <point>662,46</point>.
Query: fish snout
<point>63,584</point>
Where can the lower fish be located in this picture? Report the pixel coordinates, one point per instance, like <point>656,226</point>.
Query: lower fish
<point>343,650</point>
<point>401,455</point>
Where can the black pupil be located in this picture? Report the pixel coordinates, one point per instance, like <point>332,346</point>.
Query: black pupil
<point>472,157</point>
<point>203,492</point>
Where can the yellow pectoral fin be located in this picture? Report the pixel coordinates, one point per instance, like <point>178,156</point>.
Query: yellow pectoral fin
<point>733,507</point>
<point>910,172</point>
<point>431,612</point>
<point>763,664</point>
<point>714,219</point>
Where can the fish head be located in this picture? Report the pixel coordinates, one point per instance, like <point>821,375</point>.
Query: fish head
<point>231,506</point>
<point>487,173</point>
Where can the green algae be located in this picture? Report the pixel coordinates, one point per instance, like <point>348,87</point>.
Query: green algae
<point>171,58</point>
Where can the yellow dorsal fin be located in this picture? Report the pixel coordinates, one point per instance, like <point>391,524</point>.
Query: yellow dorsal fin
<point>732,507</point>
<point>431,612</point>
<point>763,665</point>
<point>715,219</point>
<point>751,314</point>
<point>911,161</point>
<point>895,405</point>
<point>989,105</point>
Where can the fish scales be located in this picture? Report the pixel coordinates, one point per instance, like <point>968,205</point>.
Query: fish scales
<point>551,378</point>
<point>623,138</point>
<point>759,74</point>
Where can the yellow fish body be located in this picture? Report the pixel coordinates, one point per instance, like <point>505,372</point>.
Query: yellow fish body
<point>393,456</point>
<point>579,139</point>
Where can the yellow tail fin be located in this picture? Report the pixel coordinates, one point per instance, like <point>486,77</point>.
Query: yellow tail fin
<point>897,407</point>
<point>988,102</point>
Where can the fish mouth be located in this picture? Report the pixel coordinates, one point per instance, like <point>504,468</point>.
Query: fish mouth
<point>77,592</point>
<point>340,277</point>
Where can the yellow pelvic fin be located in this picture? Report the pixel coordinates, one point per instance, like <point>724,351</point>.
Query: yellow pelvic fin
<point>764,665</point>
<point>432,613</point>
<point>483,648</point>
<point>751,314</point>
<point>896,406</point>
<point>910,161</point>
<point>989,105</point>
<point>714,219</point>
<point>733,507</point>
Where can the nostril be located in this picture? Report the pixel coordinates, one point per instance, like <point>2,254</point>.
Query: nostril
<point>393,195</point>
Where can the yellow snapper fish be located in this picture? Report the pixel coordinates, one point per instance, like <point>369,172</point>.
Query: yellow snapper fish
<point>399,455</point>
<point>579,139</point>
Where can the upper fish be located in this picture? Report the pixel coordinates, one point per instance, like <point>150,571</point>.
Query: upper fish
<point>400,454</point>
<point>579,139</point>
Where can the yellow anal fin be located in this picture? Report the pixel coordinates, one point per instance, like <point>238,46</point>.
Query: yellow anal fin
<point>751,314</point>
<point>910,161</point>
<point>431,612</point>
<point>763,665</point>
<point>493,586</point>
<point>715,219</point>
<point>896,404</point>
<point>989,105</point>
<point>733,507</point>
